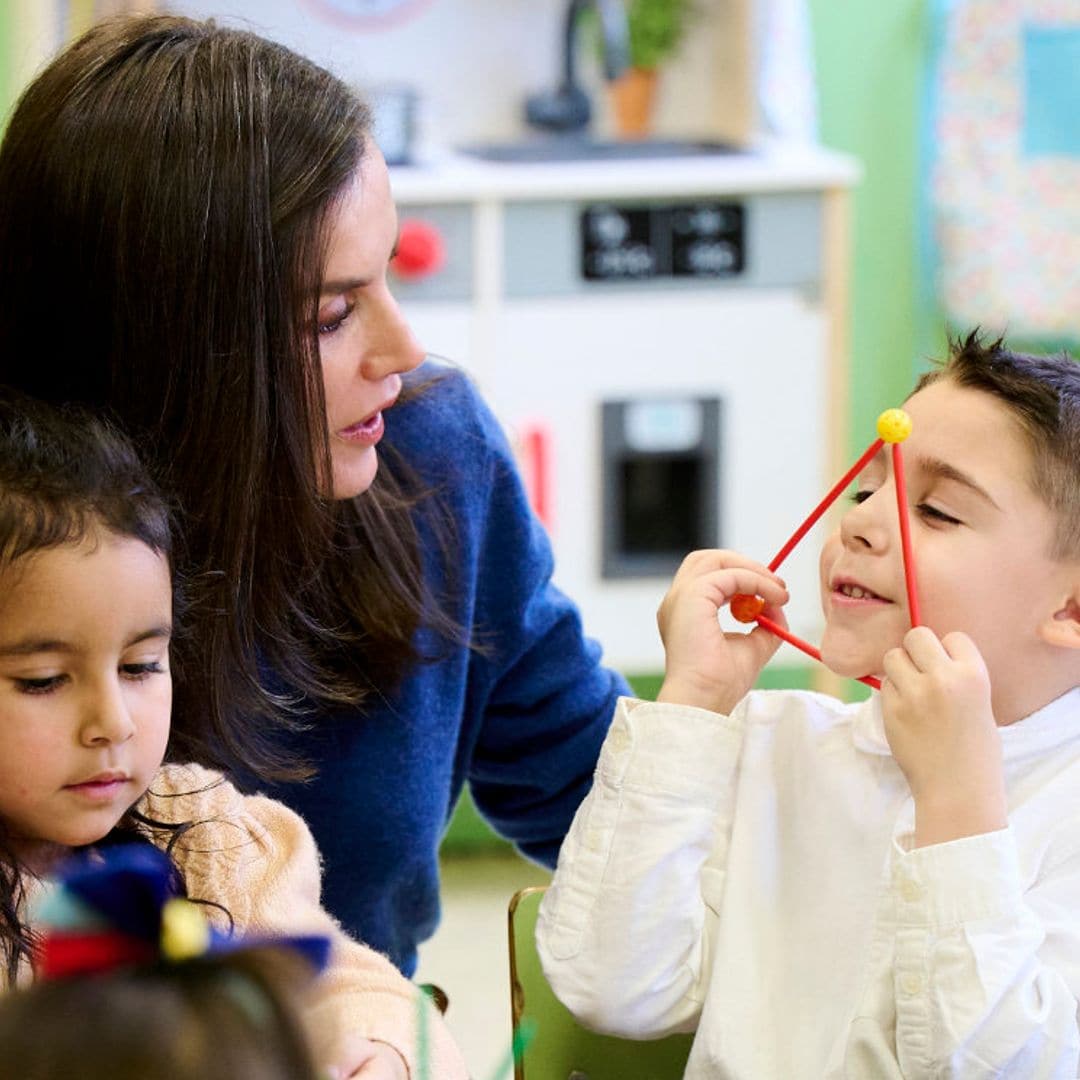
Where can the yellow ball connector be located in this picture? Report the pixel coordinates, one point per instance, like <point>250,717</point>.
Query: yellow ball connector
<point>894,425</point>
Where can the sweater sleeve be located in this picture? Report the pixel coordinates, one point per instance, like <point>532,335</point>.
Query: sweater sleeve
<point>987,972</point>
<point>625,930</point>
<point>539,700</point>
<point>257,859</point>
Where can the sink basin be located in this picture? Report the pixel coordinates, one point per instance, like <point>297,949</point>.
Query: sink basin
<point>561,149</point>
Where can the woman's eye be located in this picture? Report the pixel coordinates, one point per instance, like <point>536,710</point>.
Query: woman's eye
<point>142,671</point>
<point>932,513</point>
<point>44,685</point>
<point>335,320</point>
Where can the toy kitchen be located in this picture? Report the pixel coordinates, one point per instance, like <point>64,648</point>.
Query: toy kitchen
<point>663,339</point>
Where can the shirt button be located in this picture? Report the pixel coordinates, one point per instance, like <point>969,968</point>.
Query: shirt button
<point>594,840</point>
<point>911,984</point>
<point>910,890</point>
<point>618,741</point>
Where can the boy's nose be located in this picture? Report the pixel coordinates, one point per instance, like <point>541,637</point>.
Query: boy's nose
<point>106,717</point>
<point>867,525</point>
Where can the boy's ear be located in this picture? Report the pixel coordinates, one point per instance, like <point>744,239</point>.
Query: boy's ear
<point>1063,627</point>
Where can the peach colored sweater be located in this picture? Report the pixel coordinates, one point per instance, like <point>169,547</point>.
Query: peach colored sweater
<point>257,858</point>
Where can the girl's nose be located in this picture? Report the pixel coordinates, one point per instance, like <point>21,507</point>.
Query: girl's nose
<point>106,717</point>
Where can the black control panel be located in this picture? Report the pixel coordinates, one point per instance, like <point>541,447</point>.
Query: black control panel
<point>633,243</point>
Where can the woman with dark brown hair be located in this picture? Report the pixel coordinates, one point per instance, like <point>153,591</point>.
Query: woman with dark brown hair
<point>195,230</point>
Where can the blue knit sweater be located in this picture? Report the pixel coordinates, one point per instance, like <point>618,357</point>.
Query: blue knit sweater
<point>522,722</point>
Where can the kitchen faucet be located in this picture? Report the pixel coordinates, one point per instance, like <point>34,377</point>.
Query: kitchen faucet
<point>567,108</point>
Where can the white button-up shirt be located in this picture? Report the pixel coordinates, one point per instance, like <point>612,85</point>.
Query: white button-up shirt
<point>751,876</point>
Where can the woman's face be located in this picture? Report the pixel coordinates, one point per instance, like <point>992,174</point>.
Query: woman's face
<point>364,342</point>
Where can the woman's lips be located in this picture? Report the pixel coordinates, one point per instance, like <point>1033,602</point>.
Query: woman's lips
<point>365,432</point>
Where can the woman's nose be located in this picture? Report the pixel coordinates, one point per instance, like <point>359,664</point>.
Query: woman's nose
<point>392,346</point>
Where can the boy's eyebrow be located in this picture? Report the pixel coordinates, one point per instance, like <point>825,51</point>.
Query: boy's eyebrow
<point>944,471</point>
<point>32,646</point>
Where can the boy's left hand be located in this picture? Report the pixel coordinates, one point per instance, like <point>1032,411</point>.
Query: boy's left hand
<point>941,729</point>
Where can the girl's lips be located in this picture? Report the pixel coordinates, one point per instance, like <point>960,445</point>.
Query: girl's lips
<point>103,790</point>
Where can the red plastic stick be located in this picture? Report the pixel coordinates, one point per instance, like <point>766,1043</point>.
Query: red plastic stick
<point>806,647</point>
<point>905,534</point>
<point>834,493</point>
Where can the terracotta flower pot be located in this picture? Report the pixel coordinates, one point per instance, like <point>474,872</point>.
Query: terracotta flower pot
<point>633,97</point>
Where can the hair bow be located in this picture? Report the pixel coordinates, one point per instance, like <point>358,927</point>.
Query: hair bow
<point>122,906</point>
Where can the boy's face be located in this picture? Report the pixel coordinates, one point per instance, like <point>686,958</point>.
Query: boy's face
<point>980,538</point>
<point>85,690</point>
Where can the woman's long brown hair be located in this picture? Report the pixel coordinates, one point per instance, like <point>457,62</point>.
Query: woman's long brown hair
<point>165,186</point>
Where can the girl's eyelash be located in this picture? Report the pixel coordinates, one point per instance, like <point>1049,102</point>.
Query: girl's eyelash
<point>860,496</point>
<point>39,686</point>
<point>141,671</point>
<point>334,325</point>
<point>49,683</point>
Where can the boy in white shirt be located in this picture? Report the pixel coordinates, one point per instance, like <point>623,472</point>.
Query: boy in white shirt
<point>885,889</point>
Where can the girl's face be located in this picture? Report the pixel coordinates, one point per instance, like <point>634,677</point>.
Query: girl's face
<point>85,690</point>
<point>364,342</point>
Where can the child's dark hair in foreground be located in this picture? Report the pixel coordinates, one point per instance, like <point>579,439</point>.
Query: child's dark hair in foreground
<point>881,889</point>
<point>133,986</point>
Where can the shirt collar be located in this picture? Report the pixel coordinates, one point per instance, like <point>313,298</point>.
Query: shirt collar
<point>1055,723</point>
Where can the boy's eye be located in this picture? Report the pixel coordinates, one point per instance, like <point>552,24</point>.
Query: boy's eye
<point>40,686</point>
<point>932,513</point>
<point>143,670</point>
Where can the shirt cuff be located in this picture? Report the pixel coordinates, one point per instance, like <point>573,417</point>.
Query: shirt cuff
<point>943,885</point>
<point>675,749</point>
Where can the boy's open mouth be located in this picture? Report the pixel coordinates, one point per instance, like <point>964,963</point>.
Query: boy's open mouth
<point>857,592</point>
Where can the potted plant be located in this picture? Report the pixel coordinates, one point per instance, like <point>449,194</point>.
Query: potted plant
<point>656,29</point>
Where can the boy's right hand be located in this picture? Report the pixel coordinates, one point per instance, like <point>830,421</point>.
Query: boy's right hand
<point>706,666</point>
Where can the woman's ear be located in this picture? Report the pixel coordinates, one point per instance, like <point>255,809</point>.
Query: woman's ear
<point>1063,627</point>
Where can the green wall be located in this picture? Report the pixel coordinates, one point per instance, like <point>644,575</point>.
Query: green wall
<point>870,57</point>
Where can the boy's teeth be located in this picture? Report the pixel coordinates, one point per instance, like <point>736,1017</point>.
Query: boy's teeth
<point>856,592</point>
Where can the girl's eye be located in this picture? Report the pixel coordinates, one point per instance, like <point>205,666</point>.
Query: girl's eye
<point>932,513</point>
<point>142,671</point>
<point>335,321</point>
<point>40,686</point>
<point>860,496</point>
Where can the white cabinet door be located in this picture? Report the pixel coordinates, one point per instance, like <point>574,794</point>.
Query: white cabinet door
<point>443,328</point>
<point>557,359</point>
